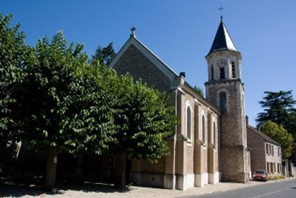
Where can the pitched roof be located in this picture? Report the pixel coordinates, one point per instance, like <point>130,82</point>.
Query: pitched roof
<point>222,40</point>
<point>169,72</point>
<point>251,129</point>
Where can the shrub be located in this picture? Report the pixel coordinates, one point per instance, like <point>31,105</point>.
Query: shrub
<point>276,177</point>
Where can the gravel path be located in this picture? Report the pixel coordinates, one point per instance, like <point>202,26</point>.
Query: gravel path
<point>98,190</point>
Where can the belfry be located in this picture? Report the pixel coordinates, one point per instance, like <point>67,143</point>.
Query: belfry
<point>225,90</point>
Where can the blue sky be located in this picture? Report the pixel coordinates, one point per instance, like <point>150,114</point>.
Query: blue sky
<point>180,32</point>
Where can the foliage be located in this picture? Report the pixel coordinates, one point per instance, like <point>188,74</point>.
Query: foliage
<point>293,154</point>
<point>279,134</point>
<point>13,55</point>
<point>198,90</point>
<point>145,119</point>
<point>276,177</point>
<point>62,101</point>
<point>279,108</point>
<point>94,116</point>
<point>103,56</point>
<point>290,125</point>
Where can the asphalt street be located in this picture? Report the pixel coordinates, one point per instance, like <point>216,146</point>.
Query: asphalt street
<point>281,189</point>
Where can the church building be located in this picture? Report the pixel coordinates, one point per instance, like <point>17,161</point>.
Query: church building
<point>210,141</point>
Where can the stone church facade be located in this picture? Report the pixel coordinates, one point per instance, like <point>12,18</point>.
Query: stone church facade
<point>210,141</point>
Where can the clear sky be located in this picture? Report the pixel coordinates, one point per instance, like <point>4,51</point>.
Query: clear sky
<point>180,32</point>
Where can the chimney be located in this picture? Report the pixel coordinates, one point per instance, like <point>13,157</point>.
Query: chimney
<point>181,77</point>
<point>183,74</point>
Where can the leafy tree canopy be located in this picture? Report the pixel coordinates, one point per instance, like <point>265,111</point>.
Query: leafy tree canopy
<point>13,56</point>
<point>279,134</point>
<point>145,119</point>
<point>63,101</point>
<point>279,108</point>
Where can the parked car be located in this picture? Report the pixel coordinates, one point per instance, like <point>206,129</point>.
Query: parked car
<point>260,175</point>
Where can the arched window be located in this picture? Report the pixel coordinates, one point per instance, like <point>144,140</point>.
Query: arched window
<point>222,73</point>
<point>223,101</point>
<point>233,69</point>
<point>203,130</point>
<point>188,123</point>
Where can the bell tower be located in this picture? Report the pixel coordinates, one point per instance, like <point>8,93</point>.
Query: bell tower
<point>225,90</point>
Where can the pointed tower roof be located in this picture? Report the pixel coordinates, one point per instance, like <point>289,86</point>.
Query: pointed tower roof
<point>222,39</point>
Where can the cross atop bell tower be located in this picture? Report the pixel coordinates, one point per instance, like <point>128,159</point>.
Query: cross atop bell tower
<point>221,9</point>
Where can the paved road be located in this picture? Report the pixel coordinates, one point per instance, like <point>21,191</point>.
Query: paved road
<point>283,189</point>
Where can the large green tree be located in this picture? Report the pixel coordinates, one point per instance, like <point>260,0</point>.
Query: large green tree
<point>145,119</point>
<point>63,104</point>
<point>279,134</point>
<point>13,55</point>
<point>279,108</point>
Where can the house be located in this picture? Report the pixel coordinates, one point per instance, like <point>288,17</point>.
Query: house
<point>210,141</point>
<point>266,153</point>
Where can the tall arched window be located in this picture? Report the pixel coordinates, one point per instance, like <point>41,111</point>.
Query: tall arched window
<point>223,101</point>
<point>203,130</point>
<point>233,69</point>
<point>188,123</point>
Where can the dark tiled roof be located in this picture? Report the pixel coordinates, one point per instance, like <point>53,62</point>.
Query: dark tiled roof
<point>222,40</point>
<point>251,129</point>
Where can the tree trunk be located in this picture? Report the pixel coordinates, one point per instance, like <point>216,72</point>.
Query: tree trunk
<point>51,169</point>
<point>120,169</point>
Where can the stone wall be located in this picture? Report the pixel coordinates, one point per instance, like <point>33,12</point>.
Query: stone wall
<point>140,67</point>
<point>256,146</point>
